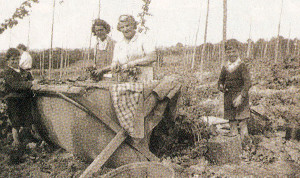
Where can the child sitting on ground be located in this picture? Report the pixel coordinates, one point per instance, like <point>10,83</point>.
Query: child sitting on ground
<point>235,82</point>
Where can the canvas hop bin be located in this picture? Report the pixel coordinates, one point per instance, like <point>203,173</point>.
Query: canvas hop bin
<point>81,119</point>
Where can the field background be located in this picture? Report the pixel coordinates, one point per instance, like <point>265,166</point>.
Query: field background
<point>274,95</point>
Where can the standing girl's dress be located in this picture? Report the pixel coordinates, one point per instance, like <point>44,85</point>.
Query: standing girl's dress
<point>18,87</point>
<point>235,79</point>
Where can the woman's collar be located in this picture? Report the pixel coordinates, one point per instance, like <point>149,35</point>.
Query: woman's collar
<point>238,61</point>
<point>231,66</point>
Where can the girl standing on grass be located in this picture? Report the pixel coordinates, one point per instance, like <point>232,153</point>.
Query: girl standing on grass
<point>235,82</point>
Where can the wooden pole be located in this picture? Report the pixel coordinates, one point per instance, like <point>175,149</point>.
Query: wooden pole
<point>65,58</point>
<point>40,67</point>
<point>298,51</point>
<point>224,28</point>
<point>51,46</point>
<point>261,50</point>
<point>68,63</point>
<point>61,63</point>
<point>277,43</point>
<point>296,47</point>
<point>288,43</point>
<point>28,35</point>
<point>266,49</point>
<point>105,154</point>
<point>206,22</point>
<point>43,62</point>
<point>204,45</point>
<point>99,9</point>
<point>249,41</point>
<point>195,44</point>
<point>90,42</point>
<point>213,53</point>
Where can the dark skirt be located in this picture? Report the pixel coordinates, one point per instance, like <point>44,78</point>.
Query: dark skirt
<point>19,111</point>
<point>235,113</point>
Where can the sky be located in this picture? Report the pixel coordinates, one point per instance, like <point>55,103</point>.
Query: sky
<point>172,21</point>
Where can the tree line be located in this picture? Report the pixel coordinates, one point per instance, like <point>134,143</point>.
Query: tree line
<point>260,49</point>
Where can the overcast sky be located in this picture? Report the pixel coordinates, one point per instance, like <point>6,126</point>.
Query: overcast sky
<point>173,21</point>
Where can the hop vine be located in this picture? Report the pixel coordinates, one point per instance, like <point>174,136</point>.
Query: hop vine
<point>20,13</point>
<point>143,14</point>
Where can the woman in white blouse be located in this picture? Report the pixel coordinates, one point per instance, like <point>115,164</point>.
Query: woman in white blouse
<point>134,51</point>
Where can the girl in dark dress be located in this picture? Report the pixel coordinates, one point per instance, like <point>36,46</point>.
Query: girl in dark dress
<point>235,82</point>
<point>17,84</point>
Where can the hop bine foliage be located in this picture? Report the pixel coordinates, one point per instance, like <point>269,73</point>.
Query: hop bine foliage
<point>20,13</point>
<point>144,13</point>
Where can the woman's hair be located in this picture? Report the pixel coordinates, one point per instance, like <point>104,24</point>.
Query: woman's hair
<point>22,47</point>
<point>100,22</point>
<point>129,19</point>
<point>11,52</point>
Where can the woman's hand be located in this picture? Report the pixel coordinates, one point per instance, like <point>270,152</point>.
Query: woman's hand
<point>35,85</point>
<point>97,72</point>
<point>115,66</point>
<point>237,101</point>
<point>128,65</point>
<point>222,88</point>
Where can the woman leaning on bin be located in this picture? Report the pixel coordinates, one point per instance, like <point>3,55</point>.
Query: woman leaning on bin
<point>135,51</point>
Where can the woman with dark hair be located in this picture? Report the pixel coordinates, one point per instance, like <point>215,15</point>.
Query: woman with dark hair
<point>18,94</point>
<point>103,51</point>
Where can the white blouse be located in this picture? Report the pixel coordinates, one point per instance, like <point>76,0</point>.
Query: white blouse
<point>25,61</point>
<point>130,50</point>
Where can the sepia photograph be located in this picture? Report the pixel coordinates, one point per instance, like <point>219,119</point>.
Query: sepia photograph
<point>149,88</point>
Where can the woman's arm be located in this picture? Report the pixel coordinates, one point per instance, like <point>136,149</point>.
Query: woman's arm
<point>15,81</point>
<point>247,80</point>
<point>144,61</point>
<point>17,85</point>
<point>221,80</point>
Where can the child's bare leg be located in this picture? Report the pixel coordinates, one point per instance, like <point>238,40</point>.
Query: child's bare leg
<point>244,129</point>
<point>15,134</point>
<point>233,128</point>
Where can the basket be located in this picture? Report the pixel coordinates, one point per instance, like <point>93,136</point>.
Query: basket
<point>141,170</point>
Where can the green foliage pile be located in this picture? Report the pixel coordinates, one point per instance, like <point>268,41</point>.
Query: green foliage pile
<point>281,106</point>
<point>182,135</point>
<point>273,75</point>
